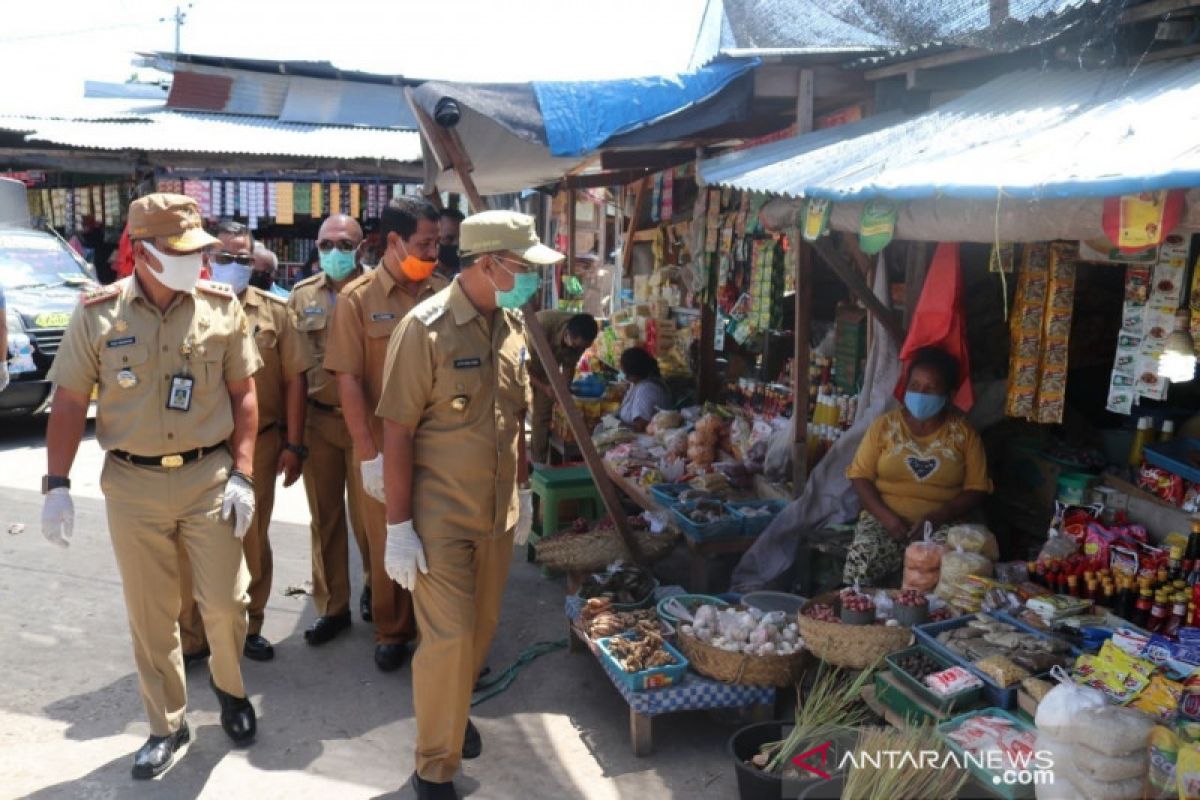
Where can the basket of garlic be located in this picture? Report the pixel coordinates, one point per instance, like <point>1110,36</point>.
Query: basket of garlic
<point>743,645</point>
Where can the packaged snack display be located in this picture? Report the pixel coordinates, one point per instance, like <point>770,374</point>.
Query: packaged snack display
<point>952,681</point>
<point>973,539</point>
<point>1001,670</point>
<point>922,565</point>
<point>1187,771</point>
<point>1160,699</point>
<point>1116,673</point>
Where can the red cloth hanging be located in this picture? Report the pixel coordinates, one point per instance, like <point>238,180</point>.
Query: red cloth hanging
<point>939,322</point>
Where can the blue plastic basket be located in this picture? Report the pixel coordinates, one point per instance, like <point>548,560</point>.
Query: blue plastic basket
<point>1176,456</point>
<point>753,526</point>
<point>992,692</point>
<point>647,679</point>
<point>668,493</point>
<point>729,527</point>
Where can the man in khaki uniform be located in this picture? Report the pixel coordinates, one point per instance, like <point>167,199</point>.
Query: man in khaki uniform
<point>172,360</point>
<point>279,346</point>
<point>367,312</point>
<point>456,392</point>
<point>331,474</point>
<point>569,335</point>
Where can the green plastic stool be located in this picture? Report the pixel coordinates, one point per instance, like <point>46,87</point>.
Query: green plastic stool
<point>552,485</point>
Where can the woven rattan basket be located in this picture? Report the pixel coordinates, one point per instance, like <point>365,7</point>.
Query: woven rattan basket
<point>849,646</point>
<point>595,550</point>
<point>739,668</point>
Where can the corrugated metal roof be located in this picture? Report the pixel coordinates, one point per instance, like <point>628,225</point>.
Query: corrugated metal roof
<point>174,131</point>
<point>1028,134</point>
<point>741,28</point>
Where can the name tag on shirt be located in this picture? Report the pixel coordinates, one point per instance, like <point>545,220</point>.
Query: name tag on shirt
<point>311,310</point>
<point>382,316</point>
<point>466,363</point>
<point>124,340</point>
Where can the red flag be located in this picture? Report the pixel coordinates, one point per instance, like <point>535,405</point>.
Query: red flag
<point>939,322</point>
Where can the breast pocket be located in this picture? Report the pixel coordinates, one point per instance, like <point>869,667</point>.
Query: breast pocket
<point>125,369</point>
<point>461,392</point>
<point>209,363</point>
<point>378,334</point>
<point>266,339</point>
<point>513,364</point>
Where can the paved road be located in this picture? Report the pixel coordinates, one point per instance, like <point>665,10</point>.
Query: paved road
<point>330,724</point>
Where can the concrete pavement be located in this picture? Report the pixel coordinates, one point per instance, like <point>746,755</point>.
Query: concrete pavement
<point>330,724</point>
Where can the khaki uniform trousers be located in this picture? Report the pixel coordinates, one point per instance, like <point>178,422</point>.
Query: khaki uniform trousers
<point>331,476</point>
<point>256,547</point>
<point>458,608</point>
<point>391,606</point>
<point>539,440</point>
<point>152,514</point>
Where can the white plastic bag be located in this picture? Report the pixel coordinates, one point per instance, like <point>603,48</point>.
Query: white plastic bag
<point>1058,713</point>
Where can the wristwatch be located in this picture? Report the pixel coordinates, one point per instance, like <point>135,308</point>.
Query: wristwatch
<point>55,482</point>
<point>300,450</point>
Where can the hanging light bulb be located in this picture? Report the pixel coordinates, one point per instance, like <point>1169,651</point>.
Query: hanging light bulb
<point>1177,363</point>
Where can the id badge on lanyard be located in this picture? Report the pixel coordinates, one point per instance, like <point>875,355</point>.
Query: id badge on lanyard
<point>179,398</point>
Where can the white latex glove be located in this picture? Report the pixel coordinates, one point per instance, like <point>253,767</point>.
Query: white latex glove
<point>404,555</point>
<point>372,477</point>
<point>524,519</point>
<point>58,516</point>
<point>238,500</point>
<point>3,375</point>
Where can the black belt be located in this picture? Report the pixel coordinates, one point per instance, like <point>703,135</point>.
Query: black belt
<point>172,461</point>
<point>324,406</point>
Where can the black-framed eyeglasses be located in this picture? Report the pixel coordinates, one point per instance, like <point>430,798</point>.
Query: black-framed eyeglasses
<point>345,245</point>
<point>224,259</point>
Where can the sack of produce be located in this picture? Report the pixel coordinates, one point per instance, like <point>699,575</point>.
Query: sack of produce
<point>973,539</point>
<point>1095,789</point>
<point>1113,730</point>
<point>922,564</point>
<point>1060,788</point>
<point>1099,767</point>
<point>1056,713</point>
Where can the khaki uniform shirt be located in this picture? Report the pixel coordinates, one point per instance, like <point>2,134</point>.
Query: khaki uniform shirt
<point>460,381</point>
<point>118,336</point>
<point>367,312</point>
<point>281,351</point>
<point>311,309</point>
<point>554,323</point>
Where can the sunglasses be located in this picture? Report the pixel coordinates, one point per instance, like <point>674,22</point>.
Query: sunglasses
<point>225,259</point>
<point>345,245</point>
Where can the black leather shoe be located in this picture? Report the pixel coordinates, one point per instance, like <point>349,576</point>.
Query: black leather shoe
<point>325,628</point>
<point>158,753</point>
<point>390,657</point>
<point>192,659</point>
<point>257,648</point>
<point>472,742</point>
<point>364,604</point>
<point>428,790</point>
<point>237,716</point>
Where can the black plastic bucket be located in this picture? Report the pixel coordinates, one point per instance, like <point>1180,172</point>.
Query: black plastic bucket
<point>754,784</point>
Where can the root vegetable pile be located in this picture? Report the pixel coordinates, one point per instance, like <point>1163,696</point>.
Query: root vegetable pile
<point>748,631</point>
<point>639,651</point>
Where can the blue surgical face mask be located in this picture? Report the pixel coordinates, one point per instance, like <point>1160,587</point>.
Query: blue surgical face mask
<point>336,264</point>
<point>924,406</point>
<point>525,286</point>
<point>235,274</point>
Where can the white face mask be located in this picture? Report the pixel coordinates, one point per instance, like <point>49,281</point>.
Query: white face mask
<point>235,274</point>
<point>179,273</point>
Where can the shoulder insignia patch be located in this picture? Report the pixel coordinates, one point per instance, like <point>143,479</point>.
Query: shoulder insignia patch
<point>429,313</point>
<point>100,295</point>
<point>218,289</point>
<point>274,298</point>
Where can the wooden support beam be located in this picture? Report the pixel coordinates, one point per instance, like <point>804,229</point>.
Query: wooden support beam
<point>646,159</point>
<point>709,320</point>
<point>804,102</point>
<point>448,147</point>
<point>928,62</point>
<point>1186,51</point>
<point>845,269</point>
<point>583,437</point>
<point>627,245</point>
<point>800,377</point>
<point>916,264</point>
<point>572,229</point>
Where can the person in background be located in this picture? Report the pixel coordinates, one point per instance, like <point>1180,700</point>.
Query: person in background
<point>647,393</point>
<point>367,312</point>
<point>331,474</point>
<point>454,408</point>
<point>178,463</point>
<point>569,335</point>
<point>265,265</point>
<point>231,263</point>
<point>449,223</point>
<point>311,265</point>
<point>921,463</point>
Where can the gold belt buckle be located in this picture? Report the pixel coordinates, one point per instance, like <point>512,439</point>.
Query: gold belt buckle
<point>173,461</point>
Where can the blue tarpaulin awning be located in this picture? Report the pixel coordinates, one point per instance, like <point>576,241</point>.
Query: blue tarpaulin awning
<point>579,116</point>
<point>1029,134</point>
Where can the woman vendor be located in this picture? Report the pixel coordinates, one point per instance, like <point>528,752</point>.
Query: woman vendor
<point>647,393</point>
<point>921,463</point>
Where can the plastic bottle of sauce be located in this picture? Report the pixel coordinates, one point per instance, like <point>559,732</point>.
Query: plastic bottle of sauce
<point>1159,613</point>
<point>1179,610</point>
<point>1145,604</point>
<point>1143,437</point>
<point>1167,432</point>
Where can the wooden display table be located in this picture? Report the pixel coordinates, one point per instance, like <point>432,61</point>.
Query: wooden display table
<point>700,551</point>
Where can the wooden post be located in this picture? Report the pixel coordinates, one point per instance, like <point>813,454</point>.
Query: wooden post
<point>854,281</point>
<point>800,377</point>
<point>627,247</point>
<point>708,333</point>
<point>571,231</point>
<point>804,102</point>
<point>447,144</point>
<point>915,267</point>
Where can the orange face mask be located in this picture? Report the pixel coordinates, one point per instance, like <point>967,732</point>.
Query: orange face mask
<point>415,269</point>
